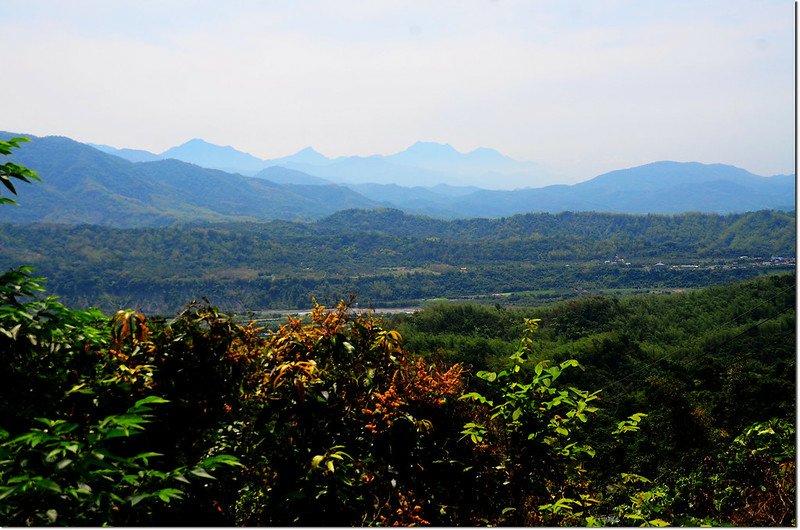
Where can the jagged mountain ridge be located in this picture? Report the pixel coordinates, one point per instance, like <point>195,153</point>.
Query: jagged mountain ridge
<point>423,163</point>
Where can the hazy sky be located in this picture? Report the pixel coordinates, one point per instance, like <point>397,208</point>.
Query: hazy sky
<point>582,87</point>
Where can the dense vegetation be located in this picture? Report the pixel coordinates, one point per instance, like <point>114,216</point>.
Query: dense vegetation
<point>640,411</point>
<point>702,364</point>
<point>334,421</point>
<point>388,257</point>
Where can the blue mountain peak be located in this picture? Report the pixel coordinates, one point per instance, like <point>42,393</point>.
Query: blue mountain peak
<point>431,149</point>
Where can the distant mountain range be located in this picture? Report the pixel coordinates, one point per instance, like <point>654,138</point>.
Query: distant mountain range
<point>84,184</point>
<point>424,163</point>
<point>659,187</point>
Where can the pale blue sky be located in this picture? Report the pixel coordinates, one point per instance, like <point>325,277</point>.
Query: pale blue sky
<point>582,87</point>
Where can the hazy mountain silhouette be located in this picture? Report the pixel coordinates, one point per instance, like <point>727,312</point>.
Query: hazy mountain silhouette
<point>282,175</point>
<point>208,155</point>
<point>132,155</point>
<point>659,187</point>
<point>422,164</point>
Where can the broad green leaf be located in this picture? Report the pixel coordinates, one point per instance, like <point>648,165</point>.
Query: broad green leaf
<point>228,460</point>
<point>488,376</point>
<point>145,456</point>
<point>116,433</point>
<point>136,499</point>
<point>200,472</point>
<point>47,484</point>
<point>167,494</point>
<point>5,491</point>
<point>150,399</point>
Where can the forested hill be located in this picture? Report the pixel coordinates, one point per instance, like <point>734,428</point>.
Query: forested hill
<point>81,184</point>
<point>763,232</point>
<point>387,256</point>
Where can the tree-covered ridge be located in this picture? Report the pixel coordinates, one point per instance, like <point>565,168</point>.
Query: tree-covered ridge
<point>704,338</point>
<point>702,365</point>
<point>695,233</point>
<point>363,240</point>
<point>391,257</point>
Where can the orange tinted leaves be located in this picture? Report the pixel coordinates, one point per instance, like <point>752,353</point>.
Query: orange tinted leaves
<point>128,328</point>
<point>414,388</point>
<point>407,513</point>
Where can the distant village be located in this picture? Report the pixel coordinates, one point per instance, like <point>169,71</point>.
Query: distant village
<point>737,263</point>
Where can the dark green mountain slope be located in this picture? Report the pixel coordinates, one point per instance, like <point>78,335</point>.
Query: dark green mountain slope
<point>81,184</point>
<point>765,232</point>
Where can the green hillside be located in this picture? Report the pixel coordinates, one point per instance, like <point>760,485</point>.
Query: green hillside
<point>81,184</point>
<point>390,258</point>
